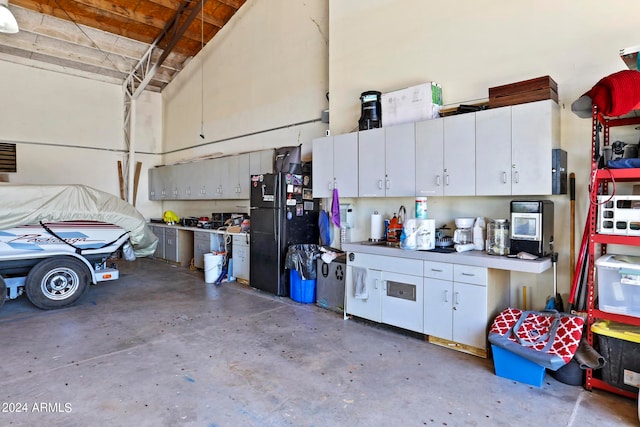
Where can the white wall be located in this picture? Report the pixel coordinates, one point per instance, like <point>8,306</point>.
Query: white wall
<point>266,69</point>
<point>69,130</point>
<point>468,46</point>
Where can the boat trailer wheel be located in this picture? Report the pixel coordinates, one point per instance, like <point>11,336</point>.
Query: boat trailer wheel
<point>57,282</point>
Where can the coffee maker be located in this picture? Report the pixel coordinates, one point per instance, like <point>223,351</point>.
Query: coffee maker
<point>531,227</point>
<point>463,235</point>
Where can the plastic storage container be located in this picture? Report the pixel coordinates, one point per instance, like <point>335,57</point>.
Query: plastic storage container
<point>514,367</point>
<point>619,284</point>
<point>303,291</point>
<point>620,346</point>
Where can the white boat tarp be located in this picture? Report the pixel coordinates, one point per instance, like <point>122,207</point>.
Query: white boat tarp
<point>22,204</point>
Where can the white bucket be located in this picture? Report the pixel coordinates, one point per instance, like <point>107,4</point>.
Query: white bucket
<point>212,267</point>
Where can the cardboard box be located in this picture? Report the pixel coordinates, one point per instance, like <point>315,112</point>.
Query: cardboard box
<point>532,90</point>
<point>412,104</point>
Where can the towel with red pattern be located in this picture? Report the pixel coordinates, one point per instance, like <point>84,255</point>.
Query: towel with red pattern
<point>547,338</point>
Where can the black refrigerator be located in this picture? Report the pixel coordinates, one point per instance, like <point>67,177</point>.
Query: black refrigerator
<point>283,213</point>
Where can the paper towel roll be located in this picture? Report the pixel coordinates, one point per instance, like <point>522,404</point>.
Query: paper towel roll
<point>464,248</point>
<point>377,226</point>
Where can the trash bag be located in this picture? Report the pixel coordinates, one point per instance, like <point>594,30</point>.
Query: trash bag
<point>302,258</point>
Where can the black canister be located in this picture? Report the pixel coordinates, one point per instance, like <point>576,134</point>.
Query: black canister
<point>371,116</point>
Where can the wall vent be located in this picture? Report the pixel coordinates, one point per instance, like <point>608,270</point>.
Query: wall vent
<point>8,157</point>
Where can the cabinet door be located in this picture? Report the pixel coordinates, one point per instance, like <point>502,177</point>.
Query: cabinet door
<point>345,164</point>
<point>165,182</point>
<point>208,180</point>
<point>322,167</point>
<point>244,177</point>
<point>201,246</point>
<point>438,316</point>
<point>240,252</point>
<point>171,244</point>
<point>402,301</point>
<point>460,155</point>
<point>429,163</point>
<point>154,184</point>
<point>371,163</point>
<point>184,178</point>
<point>470,314</point>
<point>534,133</point>
<point>400,166</point>
<point>493,152</point>
<point>159,232</point>
<point>369,308</point>
<point>225,186</point>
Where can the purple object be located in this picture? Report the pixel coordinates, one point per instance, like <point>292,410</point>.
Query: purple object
<point>335,208</point>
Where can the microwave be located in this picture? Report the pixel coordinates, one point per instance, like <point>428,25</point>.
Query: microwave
<point>531,227</point>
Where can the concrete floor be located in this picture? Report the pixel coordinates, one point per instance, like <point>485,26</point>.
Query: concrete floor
<point>159,347</point>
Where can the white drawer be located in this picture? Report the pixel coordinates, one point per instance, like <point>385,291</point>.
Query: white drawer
<point>470,274</point>
<point>412,267</point>
<point>438,270</point>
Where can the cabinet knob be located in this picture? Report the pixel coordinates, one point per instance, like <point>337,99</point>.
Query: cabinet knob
<point>516,177</point>
<point>388,183</point>
<point>379,184</point>
<point>504,177</point>
<point>446,179</point>
<point>438,180</point>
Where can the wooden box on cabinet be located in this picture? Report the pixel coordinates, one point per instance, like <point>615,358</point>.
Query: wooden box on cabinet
<point>522,92</point>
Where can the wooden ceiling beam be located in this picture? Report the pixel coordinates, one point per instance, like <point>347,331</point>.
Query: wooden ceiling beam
<point>88,58</point>
<point>65,31</point>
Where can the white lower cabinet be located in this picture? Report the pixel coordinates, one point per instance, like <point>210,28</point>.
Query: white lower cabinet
<point>240,249</point>
<point>453,304</point>
<point>460,301</point>
<point>393,290</point>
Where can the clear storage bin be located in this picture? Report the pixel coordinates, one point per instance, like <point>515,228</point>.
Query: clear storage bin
<point>619,284</point>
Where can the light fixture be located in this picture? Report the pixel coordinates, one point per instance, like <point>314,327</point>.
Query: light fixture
<point>8,23</point>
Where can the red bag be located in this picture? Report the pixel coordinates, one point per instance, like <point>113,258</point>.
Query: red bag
<point>548,338</point>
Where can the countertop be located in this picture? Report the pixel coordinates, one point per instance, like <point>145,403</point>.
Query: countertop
<point>476,258</point>
<point>204,230</point>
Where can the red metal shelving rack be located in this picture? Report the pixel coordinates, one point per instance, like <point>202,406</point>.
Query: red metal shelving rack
<point>600,181</point>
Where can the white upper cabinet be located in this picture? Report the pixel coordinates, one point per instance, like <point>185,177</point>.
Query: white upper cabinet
<point>386,161</point>
<point>244,178</point>
<point>514,149</point>
<point>535,132</point>
<point>335,165</point>
<point>493,152</point>
<point>261,162</point>
<point>371,163</point>
<point>460,155</point>
<point>400,166</point>
<point>429,164</point>
<point>322,167</point>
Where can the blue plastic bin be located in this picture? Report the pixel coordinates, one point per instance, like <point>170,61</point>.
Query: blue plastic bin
<point>510,365</point>
<point>303,291</point>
